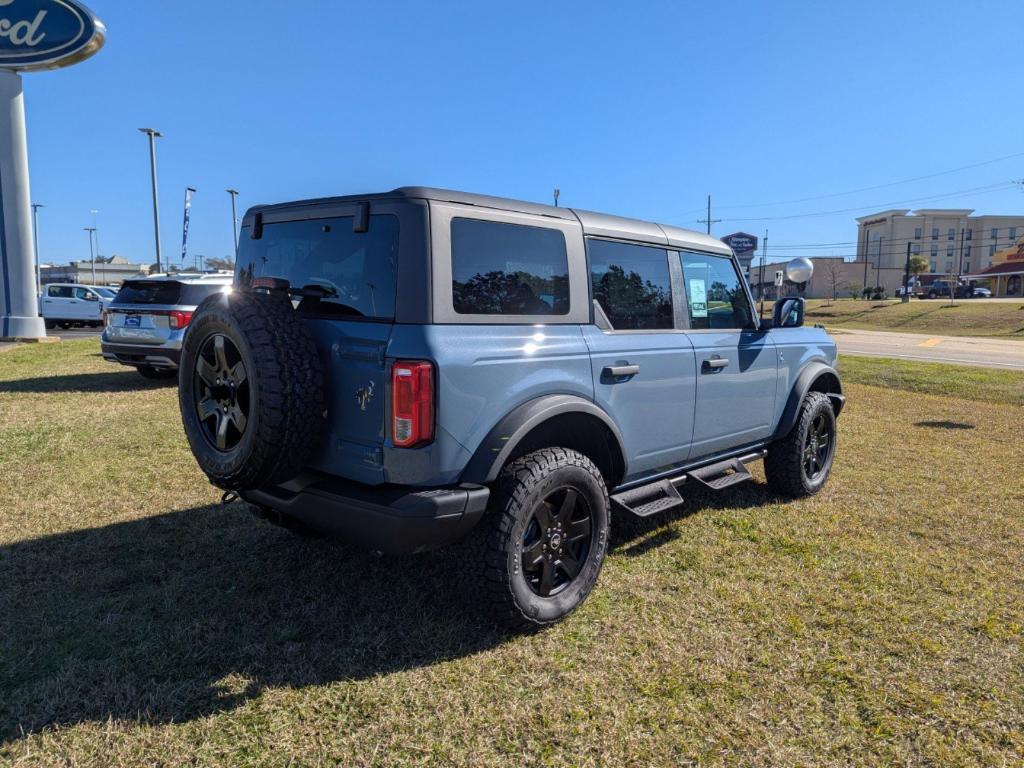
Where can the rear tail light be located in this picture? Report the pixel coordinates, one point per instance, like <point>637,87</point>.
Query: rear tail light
<point>179,320</point>
<point>412,403</point>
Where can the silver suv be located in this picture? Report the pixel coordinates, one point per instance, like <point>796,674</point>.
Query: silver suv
<point>147,320</point>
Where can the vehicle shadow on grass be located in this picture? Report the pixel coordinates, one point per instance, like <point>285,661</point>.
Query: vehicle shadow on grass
<point>177,616</point>
<point>113,381</point>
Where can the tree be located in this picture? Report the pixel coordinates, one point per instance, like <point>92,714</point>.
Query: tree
<point>855,289</point>
<point>225,263</point>
<point>834,272</point>
<point>918,265</point>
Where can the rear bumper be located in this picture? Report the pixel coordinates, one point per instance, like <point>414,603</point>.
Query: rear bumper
<point>391,519</point>
<point>139,354</point>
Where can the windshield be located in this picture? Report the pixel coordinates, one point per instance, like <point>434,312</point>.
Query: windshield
<point>106,293</point>
<point>342,273</point>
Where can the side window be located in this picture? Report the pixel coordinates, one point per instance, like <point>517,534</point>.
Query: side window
<point>632,285</point>
<point>61,291</point>
<point>508,269</point>
<point>715,296</point>
<point>82,293</point>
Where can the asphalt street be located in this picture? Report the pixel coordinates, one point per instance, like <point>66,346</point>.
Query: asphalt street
<point>960,350</point>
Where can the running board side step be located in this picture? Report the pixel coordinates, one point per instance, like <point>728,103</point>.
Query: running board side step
<point>721,474</point>
<point>663,495</point>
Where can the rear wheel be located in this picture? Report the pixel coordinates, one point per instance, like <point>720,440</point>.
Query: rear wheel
<point>545,539</point>
<point>799,464</point>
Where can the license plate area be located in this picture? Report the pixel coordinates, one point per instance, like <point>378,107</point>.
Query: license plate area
<point>133,321</point>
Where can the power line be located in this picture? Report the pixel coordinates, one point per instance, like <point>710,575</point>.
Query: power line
<point>995,187</point>
<point>876,186</point>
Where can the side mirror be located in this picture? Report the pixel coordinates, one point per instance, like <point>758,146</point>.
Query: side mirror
<point>91,297</point>
<point>788,313</point>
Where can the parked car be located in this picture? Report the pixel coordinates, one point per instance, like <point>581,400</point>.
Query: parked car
<point>977,292</point>
<point>408,368</point>
<point>147,320</point>
<point>68,304</point>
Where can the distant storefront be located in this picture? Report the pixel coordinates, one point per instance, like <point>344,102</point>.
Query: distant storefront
<point>1005,278</point>
<point>113,272</point>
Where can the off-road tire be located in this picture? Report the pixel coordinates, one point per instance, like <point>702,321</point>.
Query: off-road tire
<point>784,464</point>
<point>156,374</point>
<point>286,389</point>
<point>498,544</point>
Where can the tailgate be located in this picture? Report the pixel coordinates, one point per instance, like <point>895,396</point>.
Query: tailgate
<point>138,326</point>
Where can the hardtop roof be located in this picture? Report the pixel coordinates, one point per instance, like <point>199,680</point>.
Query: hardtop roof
<point>599,224</point>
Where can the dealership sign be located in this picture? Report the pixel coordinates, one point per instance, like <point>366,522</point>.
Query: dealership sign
<point>47,34</point>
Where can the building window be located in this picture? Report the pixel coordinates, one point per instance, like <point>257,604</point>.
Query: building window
<point>917,249</point>
<point>917,233</point>
<point>949,265</point>
<point>1013,285</point>
<point>1013,233</point>
<point>935,233</point>
<point>931,266</point>
<point>967,266</point>
<point>995,233</point>
<point>969,233</point>
<point>935,250</point>
<point>992,250</point>
<point>967,252</point>
<point>949,252</point>
<point>951,234</point>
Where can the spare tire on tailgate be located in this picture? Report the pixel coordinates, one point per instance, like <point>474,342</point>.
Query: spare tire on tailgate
<point>250,389</point>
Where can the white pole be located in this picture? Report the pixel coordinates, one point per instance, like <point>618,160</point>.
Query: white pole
<point>19,307</point>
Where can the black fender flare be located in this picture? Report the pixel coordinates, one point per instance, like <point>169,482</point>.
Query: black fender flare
<point>805,380</point>
<point>495,449</point>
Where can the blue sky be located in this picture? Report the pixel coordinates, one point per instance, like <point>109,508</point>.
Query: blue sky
<point>640,109</point>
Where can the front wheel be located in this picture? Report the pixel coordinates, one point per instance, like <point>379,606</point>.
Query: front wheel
<point>545,538</point>
<point>799,464</point>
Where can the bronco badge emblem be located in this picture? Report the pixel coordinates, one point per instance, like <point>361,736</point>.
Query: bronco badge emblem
<point>364,395</point>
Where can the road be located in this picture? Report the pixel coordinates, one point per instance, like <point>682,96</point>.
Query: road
<point>960,350</point>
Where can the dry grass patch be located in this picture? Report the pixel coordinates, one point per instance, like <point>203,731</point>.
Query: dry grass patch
<point>877,623</point>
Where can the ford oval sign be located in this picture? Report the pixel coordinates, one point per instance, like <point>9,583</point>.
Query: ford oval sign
<point>46,34</point>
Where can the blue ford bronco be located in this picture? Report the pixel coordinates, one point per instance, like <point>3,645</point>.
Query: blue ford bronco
<point>406,368</point>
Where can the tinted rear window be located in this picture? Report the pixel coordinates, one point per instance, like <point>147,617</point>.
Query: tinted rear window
<point>354,271</point>
<point>165,292</point>
<point>508,269</point>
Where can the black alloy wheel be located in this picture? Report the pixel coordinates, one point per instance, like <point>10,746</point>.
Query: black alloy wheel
<point>557,541</point>
<point>817,446</point>
<point>221,392</point>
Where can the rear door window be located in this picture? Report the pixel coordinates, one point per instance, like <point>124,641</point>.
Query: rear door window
<point>632,284</point>
<point>60,291</point>
<point>715,295</point>
<point>344,273</point>
<point>508,269</point>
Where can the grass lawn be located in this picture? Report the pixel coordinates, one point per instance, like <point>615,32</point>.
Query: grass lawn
<point>999,319</point>
<point>879,623</point>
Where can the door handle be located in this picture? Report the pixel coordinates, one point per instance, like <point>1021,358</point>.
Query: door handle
<point>617,371</point>
<point>715,364</point>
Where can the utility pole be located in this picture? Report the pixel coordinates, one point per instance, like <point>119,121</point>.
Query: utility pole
<point>959,267</point>
<point>906,277</point>
<point>709,221</point>
<point>153,136</point>
<point>35,240</point>
<point>234,217</point>
<point>92,254</point>
<point>97,235</point>
<point>558,193</point>
<point>764,257</point>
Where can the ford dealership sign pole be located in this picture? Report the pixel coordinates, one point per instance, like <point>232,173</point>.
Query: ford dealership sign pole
<point>34,35</point>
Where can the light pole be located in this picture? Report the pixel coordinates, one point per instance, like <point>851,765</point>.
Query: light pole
<point>95,234</point>
<point>92,254</point>
<point>153,136</point>
<point>35,240</point>
<point>234,219</point>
